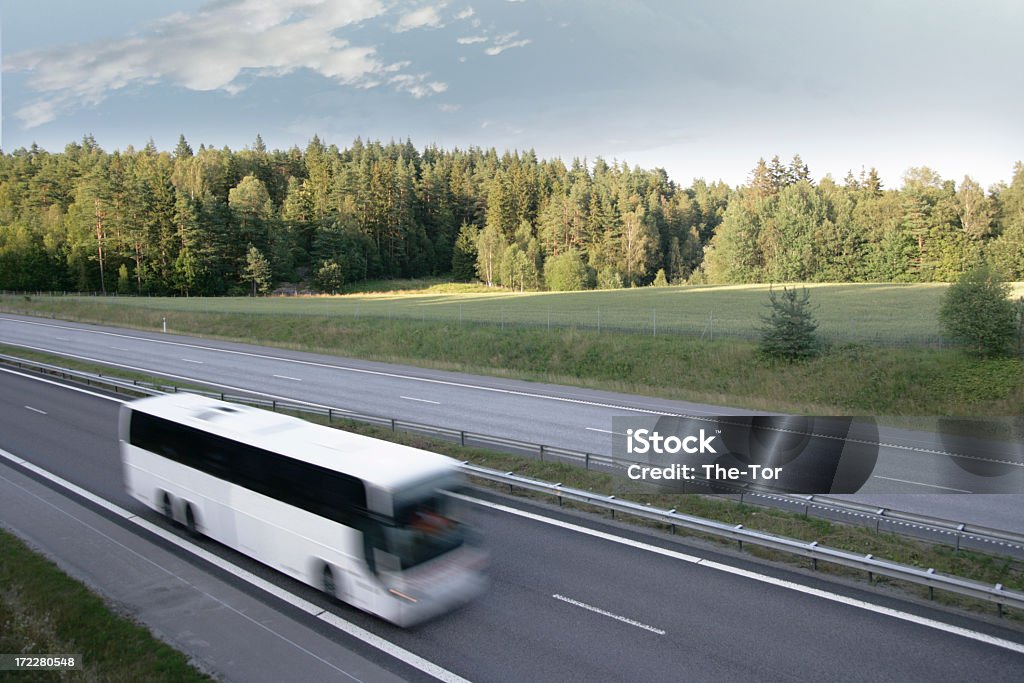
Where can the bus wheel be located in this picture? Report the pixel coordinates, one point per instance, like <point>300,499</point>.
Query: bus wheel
<point>166,507</point>
<point>330,587</point>
<point>190,520</point>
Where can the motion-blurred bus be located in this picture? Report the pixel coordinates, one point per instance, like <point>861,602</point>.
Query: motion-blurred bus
<point>364,520</point>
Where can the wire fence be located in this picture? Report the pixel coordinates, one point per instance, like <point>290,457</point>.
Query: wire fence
<point>706,324</point>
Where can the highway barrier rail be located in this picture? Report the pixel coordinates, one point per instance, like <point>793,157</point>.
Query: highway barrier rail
<point>813,551</point>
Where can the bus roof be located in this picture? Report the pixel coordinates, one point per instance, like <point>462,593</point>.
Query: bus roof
<point>381,463</point>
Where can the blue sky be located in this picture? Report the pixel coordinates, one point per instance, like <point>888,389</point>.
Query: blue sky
<point>702,89</point>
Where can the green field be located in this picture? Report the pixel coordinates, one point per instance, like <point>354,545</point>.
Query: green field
<point>881,313</point>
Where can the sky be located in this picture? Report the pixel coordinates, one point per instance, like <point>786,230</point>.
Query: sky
<point>701,89</point>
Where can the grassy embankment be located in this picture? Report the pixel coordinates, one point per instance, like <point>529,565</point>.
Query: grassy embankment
<point>43,611</point>
<point>881,361</point>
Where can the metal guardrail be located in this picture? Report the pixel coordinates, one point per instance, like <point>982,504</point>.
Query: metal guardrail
<point>814,551</point>
<point>959,535</point>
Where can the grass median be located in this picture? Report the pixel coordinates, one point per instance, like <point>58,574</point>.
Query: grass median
<point>44,611</point>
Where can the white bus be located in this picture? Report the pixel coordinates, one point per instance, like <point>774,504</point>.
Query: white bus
<point>362,519</point>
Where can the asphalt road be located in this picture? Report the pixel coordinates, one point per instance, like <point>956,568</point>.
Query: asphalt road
<point>567,417</point>
<point>566,605</point>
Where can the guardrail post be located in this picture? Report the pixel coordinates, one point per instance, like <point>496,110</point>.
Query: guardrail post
<point>330,415</point>
<point>999,605</point>
<point>739,540</point>
<point>273,404</point>
<point>959,533</point>
<point>462,435</point>
<point>931,589</point>
<point>586,461</point>
<point>542,452</point>
<point>871,574</point>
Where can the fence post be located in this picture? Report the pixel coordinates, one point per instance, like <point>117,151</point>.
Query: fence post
<point>654,313</point>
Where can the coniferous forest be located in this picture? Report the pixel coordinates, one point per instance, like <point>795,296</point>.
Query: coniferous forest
<point>215,221</point>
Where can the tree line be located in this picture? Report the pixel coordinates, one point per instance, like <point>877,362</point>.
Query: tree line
<point>216,221</point>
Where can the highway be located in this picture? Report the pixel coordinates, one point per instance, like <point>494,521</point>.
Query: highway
<point>572,598</point>
<point>567,417</point>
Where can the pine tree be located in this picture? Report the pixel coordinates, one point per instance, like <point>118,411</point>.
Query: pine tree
<point>788,331</point>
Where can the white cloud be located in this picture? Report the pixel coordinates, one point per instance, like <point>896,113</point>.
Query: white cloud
<point>219,47</point>
<point>506,42</point>
<point>469,40</point>
<point>465,14</point>
<point>417,85</point>
<point>449,108</point>
<point>424,17</point>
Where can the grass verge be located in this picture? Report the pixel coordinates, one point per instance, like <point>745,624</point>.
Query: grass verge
<point>44,611</point>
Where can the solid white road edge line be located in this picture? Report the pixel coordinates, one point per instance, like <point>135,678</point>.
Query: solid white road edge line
<point>179,578</point>
<point>367,637</point>
<point>606,613</point>
<point>781,583</point>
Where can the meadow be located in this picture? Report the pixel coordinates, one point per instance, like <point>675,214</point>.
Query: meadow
<point>878,313</point>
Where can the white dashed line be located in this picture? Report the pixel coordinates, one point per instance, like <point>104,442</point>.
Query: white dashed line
<point>421,400</point>
<point>603,431</point>
<point>189,360</point>
<point>918,483</point>
<point>605,613</point>
<point>36,410</point>
<point>293,379</point>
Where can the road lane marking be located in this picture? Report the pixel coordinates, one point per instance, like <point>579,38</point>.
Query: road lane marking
<point>179,578</point>
<point>603,431</point>
<point>62,386</point>
<point>36,410</point>
<point>421,400</point>
<point>919,483</point>
<point>293,379</point>
<point>762,578</point>
<point>189,360</point>
<point>315,611</point>
<point>598,610</point>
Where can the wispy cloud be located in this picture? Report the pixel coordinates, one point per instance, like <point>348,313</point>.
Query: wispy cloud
<point>506,42</point>
<point>465,14</point>
<point>220,47</point>
<point>470,40</point>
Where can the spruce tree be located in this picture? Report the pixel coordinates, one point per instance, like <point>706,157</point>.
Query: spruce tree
<point>788,331</point>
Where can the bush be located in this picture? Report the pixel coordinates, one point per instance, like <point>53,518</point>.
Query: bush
<point>609,278</point>
<point>788,330</point>
<point>566,272</point>
<point>660,280</point>
<point>976,311</point>
<point>330,277</point>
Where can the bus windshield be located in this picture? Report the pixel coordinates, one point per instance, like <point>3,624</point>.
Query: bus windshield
<point>425,526</point>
